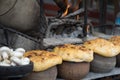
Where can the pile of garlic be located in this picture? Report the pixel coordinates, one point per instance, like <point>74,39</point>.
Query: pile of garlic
<point>10,57</point>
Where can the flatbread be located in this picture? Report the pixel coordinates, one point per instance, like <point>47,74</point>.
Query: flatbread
<point>102,47</point>
<point>74,53</point>
<point>43,59</point>
<point>115,40</point>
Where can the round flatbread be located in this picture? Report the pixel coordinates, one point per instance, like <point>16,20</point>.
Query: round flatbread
<point>43,59</point>
<point>102,47</point>
<point>115,40</point>
<point>74,53</point>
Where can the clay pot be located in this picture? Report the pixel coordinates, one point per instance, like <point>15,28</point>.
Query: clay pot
<point>49,74</point>
<point>118,60</point>
<point>22,15</point>
<point>72,70</point>
<point>4,7</point>
<point>102,64</point>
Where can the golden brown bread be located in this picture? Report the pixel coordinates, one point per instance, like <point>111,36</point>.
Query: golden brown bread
<point>74,53</point>
<point>102,47</point>
<point>115,40</point>
<point>43,60</point>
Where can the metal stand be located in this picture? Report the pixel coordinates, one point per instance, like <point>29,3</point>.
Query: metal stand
<point>85,19</point>
<point>6,29</point>
<point>102,6</point>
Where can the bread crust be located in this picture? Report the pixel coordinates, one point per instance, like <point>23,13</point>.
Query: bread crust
<point>43,60</point>
<point>102,47</point>
<point>115,40</point>
<point>74,53</point>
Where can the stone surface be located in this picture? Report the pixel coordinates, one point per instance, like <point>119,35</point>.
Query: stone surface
<point>91,75</point>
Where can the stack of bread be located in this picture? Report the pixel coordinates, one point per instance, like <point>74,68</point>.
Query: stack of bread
<point>76,61</point>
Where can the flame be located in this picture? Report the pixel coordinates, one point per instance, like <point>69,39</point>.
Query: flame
<point>73,4</point>
<point>66,11</point>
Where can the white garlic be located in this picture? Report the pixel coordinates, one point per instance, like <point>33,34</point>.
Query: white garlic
<point>17,54</point>
<point>4,64</point>
<point>20,50</point>
<point>5,49</point>
<point>13,64</point>
<point>6,61</point>
<point>9,57</point>
<point>11,52</point>
<point>16,60</point>
<point>25,61</point>
<point>1,58</point>
<point>4,55</point>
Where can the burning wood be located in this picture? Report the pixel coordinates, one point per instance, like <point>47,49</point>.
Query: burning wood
<point>66,11</point>
<point>77,12</point>
<point>67,27</point>
<point>64,28</point>
<point>67,6</point>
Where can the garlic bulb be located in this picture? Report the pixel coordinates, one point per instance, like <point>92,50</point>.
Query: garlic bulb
<point>25,61</point>
<point>6,61</point>
<point>4,64</point>
<point>20,50</point>
<point>5,49</point>
<point>4,52</point>
<point>13,64</point>
<point>4,55</point>
<point>11,52</point>
<point>17,54</point>
<point>10,57</point>
<point>16,60</point>
<point>1,58</point>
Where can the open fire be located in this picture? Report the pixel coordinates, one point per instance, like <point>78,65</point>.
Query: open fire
<point>66,11</point>
<point>67,6</point>
<point>68,25</point>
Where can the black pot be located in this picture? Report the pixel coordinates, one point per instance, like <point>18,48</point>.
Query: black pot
<point>102,64</point>
<point>15,71</point>
<point>118,60</point>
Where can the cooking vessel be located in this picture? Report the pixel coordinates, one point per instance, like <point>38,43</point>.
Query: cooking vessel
<point>15,71</point>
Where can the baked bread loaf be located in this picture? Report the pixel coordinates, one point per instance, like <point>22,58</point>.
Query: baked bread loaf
<point>74,53</point>
<point>115,40</point>
<point>43,60</point>
<point>102,47</point>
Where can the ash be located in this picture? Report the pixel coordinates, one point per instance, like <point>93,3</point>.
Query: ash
<point>71,32</point>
